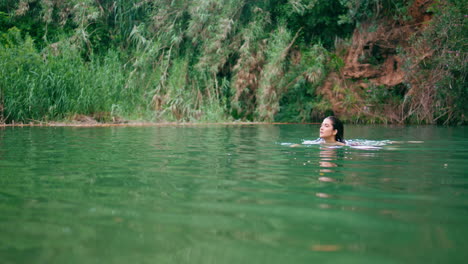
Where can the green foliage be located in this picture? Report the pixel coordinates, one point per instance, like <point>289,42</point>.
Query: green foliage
<point>362,10</point>
<point>248,66</point>
<point>317,20</point>
<point>302,79</point>
<point>271,84</point>
<point>449,29</point>
<point>206,60</point>
<point>443,75</point>
<point>42,86</point>
<point>180,60</point>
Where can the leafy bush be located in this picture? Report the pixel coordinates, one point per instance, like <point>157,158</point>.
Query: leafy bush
<point>438,72</point>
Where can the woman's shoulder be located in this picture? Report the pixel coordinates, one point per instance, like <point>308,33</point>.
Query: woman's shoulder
<point>336,143</point>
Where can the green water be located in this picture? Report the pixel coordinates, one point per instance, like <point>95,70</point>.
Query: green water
<point>232,194</point>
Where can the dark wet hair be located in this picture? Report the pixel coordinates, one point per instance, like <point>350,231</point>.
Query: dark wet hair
<point>338,125</point>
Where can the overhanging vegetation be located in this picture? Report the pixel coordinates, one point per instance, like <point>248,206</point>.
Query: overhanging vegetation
<point>209,61</point>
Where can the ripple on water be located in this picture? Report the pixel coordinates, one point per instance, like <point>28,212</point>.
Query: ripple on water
<point>233,194</point>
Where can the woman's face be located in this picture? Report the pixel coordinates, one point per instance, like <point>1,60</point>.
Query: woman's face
<point>326,130</point>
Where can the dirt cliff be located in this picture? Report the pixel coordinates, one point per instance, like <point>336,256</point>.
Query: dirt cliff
<point>373,59</point>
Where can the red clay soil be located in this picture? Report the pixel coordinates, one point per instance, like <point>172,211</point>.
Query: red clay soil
<point>372,59</point>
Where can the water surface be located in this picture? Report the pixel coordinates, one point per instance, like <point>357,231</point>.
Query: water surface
<point>233,194</point>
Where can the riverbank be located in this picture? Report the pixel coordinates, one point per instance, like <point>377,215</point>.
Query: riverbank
<point>142,124</point>
<point>400,62</point>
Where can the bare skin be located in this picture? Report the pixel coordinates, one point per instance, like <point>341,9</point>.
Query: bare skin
<point>327,133</point>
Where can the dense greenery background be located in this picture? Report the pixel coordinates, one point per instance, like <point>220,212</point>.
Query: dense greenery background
<point>207,60</point>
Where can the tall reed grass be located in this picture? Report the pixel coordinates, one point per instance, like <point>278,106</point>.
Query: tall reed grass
<point>43,86</point>
<point>205,60</point>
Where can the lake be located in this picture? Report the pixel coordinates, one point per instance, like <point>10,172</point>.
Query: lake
<point>233,194</point>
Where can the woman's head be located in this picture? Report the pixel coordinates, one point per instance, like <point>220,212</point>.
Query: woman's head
<point>332,128</point>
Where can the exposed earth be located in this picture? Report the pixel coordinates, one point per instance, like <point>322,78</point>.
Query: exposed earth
<point>373,60</point>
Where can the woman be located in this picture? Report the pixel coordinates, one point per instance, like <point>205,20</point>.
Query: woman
<point>332,131</point>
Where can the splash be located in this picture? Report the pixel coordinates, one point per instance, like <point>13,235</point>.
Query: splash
<point>355,143</point>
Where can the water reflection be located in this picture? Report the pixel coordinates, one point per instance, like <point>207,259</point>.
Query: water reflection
<point>328,157</point>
